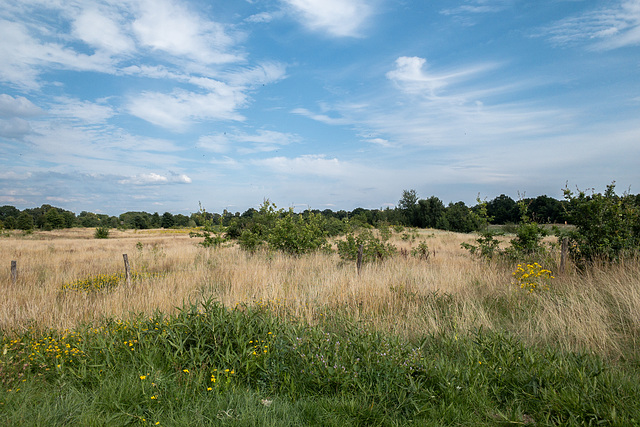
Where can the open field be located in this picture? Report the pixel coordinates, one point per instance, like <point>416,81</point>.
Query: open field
<point>452,303</point>
<point>597,311</point>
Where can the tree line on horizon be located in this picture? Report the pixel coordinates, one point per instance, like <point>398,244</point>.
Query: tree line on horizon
<point>411,211</point>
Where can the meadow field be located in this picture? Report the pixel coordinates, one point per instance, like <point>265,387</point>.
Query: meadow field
<point>224,336</point>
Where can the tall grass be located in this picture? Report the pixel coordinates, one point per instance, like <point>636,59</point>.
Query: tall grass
<point>450,293</point>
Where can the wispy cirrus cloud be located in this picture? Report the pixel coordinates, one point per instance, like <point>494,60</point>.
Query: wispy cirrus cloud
<point>156,179</point>
<point>177,110</point>
<point>436,108</point>
<point>246,143</point>
<point>312,164</point>
<point>82,111</point>
<point>602,28</point>
<point>323,118</point>
<point>478,6</point>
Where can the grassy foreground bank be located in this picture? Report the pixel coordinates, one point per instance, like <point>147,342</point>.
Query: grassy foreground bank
<point>209,364</point>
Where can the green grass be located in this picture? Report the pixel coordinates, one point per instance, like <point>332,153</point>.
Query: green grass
<point>274,371</point>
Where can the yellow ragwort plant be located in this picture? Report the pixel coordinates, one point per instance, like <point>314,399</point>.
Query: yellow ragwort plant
<point>532,277</point>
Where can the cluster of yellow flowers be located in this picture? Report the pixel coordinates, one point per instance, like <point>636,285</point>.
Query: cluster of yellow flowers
<point>261,347</point>
<point>105,282</point>
<point>532,277</point>
<point>64,349</point>
<point>226,373</point>
<point>48,351</point>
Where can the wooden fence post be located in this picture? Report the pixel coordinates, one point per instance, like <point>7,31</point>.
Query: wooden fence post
<point>563,254</point>
<point>127,270</point>
<point>14,271</point>
<point>359,261</point>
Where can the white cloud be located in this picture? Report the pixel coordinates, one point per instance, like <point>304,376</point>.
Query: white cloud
<point>12,175</point>
<point>317,165</point>
<point>381,142</point>
<point>17,107</point>
<point>410,75</point>
<point>245,143</point>
<point>168,26</point>
<point>264,73</point>
<point>85,111</point>
<point>14,201</point>
<point>155,179</point>
<point>323,118</point>
<point>260,17</point>
<point>14,128</point>
<point>96,28</point>
<point>478,6</point>
<point>23,56</point>
<point>176,111</point>
<point>339,18</point>
<point>605,28</point>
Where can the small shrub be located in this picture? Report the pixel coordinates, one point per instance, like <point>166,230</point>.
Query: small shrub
<point>213,236</point>
<point>373,249</point>
<point>487,247</point>
<point>422,251</point>
<point>101,233</point>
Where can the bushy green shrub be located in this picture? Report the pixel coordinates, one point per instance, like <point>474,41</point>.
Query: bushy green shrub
<point>101,233</point>
<point>607,226</point>
<point>422,251</point>
<point>297,234</point>
<point>487,246</point>
<point>282,230</point>
<point>213,234</point>
<point>373,248</point>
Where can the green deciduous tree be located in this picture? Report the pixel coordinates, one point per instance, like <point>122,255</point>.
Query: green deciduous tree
<point>25,221</point>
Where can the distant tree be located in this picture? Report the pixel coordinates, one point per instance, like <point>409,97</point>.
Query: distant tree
<point>167,220</point>
<point>545,209</point>
<point>462,219</point>
<point>503,209</point>
<point>407,205</point>
<point>180,220</point>
<point>11,223</point>
<point>88,219</point>
<point>69,219</point>
<point>8,212</point>
<point>154,220</point>
<point>53,219</point>
<point>25,221</point>
<point>430,212</point>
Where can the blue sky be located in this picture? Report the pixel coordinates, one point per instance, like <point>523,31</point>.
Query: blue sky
<point>156,105</point>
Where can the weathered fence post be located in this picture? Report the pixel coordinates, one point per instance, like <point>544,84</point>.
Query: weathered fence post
<point>563,254</point>
<point>127,270</point>
<point>14,271</point>
<point>359,261</point>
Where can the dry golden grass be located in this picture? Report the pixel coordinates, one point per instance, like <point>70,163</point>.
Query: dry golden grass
<point>452,292</point>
